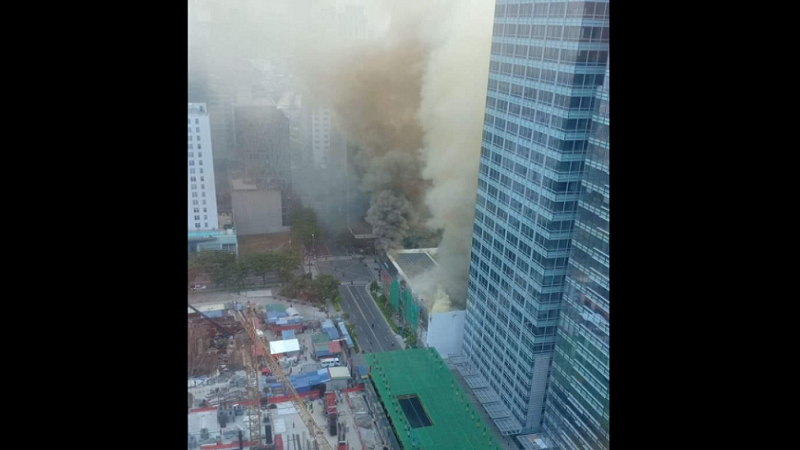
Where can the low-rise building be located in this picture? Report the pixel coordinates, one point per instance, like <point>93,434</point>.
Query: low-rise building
<point>424,404</point>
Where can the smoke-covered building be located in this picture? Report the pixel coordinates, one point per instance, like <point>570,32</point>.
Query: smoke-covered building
<point>319,167</point>
<point>264,149</point>
<point>202,200</point>
<point>547,59</point>
<point>256,210</point>
<point>412,294</point>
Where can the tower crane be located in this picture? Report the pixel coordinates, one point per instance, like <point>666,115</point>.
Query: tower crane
<point>250,328</point>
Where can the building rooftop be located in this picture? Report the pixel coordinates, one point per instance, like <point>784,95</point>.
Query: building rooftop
<point>413,263</point>
<point>202,234</point>
<point>198,109</point>
<point>426,406</point>
<point>207,308</point>
<point>339,372</point>
<point>285,346</point>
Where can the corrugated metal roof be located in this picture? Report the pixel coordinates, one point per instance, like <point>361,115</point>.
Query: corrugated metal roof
<point>318,338</point>
<point>414,264</point>
<point>332,333</point>
<point>339,372</point>
<point>207,308</point>
<point>290,345</point>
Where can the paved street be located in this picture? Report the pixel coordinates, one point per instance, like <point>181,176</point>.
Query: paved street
<point>346,270</point>
<point>356,300</point>
<point>363,311</point>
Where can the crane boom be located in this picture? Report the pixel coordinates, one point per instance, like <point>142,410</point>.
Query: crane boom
<point>319,435</point>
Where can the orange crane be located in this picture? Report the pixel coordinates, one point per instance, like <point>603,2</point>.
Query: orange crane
<point>250,328</point>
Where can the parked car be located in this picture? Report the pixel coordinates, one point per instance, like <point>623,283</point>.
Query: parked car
<point>198,287</point>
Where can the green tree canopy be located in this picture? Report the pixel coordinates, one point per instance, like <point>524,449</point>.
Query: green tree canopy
<point>261,264</point>
<point>304,226</point>
<point>326,287</point>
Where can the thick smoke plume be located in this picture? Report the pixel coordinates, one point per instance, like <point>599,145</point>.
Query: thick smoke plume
<point>391,216</point>
<point>411,98</point>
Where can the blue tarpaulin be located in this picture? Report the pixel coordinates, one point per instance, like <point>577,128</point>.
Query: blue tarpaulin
<point>346,335</point>
<point>332,333</point>
<point>288,334</point>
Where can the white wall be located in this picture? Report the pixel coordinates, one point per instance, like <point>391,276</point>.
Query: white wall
<point>257,212</point>
<point>200,172</point>
<point>446,332</point>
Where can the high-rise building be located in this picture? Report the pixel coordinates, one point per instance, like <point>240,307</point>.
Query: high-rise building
<point>202,204</point>
<point>263,146</point>
<point>321,132</point>
<point>577,410</point>
<point>547,59</point>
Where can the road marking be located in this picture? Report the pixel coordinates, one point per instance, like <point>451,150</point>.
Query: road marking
<point>368,308</point>
<point>377,341</point>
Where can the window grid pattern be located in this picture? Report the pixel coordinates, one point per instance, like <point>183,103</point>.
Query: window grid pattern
<point>548,60</point>
<point>577,413</point>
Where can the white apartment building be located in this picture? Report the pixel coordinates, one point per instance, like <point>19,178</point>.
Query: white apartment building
<point>321,131</point>
<point>202,196</point>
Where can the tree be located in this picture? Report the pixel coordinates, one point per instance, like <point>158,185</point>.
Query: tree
<point>262,263</point>
<point>326,287</point>
<point>346,240</point>
<point>218,264</point>
<point>286,263</point>
<point>373,287</point>
<point>238,273</point>
<point>304,226</point>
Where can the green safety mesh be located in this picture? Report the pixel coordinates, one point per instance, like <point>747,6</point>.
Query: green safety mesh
<point>410,310</point>
<point>422,372</point>
<point>394,294</point>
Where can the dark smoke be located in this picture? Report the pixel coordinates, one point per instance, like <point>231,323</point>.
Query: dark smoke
<point>391,216</point>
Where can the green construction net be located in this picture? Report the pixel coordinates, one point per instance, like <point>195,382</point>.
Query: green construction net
<point>427,407</point>
<point>394,294</point>
<point>410,310</point>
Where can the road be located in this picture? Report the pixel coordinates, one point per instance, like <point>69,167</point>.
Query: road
<point>363,311</point>
<point>357,302</point>
<point>346,270</point>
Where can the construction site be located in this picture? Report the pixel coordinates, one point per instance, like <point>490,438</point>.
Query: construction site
<point>276,376</point>
<point>425,406</point>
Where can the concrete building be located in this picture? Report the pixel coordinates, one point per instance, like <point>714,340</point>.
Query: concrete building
<point>444,330</point>
<point>213,240</point>
<point>264,149</point>
<point>256,211</point>
<point>321,120</point>
<point>202,197</point>
<point>547,59</point>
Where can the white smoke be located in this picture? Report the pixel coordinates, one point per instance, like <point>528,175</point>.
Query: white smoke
<point>412,98</point>
<point>451,114</point>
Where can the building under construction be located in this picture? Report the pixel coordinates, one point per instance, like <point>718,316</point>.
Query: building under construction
<point>425,405</point>
<point>441,330</point>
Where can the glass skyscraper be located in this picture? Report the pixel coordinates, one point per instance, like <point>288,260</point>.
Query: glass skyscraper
<point>577,413</point>
<point>548,60</point>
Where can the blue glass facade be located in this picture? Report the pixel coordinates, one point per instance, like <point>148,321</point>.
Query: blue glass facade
<point>548,59</point>
<point>577,412</point>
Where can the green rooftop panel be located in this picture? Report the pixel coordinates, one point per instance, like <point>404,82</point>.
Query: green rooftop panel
<point>425,404</point>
